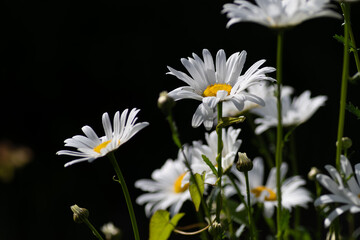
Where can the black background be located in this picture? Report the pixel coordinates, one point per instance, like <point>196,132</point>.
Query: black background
<point>64,63</point>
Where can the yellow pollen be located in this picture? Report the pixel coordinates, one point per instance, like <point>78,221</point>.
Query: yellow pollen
<point>211,90</point>
<point>101,146</point>
<point>177,184</point>
<point>258,190</point>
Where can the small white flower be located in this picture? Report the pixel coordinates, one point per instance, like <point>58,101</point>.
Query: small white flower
<point>230,148</point>
<point>292,192</point>
<point>165,188</point>
<point>344,192</point>
<point>110,231</point>
<point>211,83</point>
<point>277,13</point>
<point>294,112</point>
<point>91,147</point>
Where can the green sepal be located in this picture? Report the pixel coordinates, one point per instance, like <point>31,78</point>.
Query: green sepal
<point>227,121</point>
<point>195,187</point>
<point>161,226</point>
<point>209,163</point>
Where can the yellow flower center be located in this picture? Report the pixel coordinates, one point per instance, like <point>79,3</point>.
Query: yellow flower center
<point>101,146</point>
<point>177,184</point>
<point>258,190</point>
<point>211,90</point>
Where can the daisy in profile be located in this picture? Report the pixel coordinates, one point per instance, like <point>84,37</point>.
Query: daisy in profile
<point>292,192</point>
<point>344,188</point>
<point>294,111</point>
<point>230,148</point>
<point>165,189</point>
<point>91,147</point>
<point>221,81</point>
<point>277,13</point>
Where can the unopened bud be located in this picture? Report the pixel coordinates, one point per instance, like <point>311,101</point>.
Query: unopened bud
<point>215,228</point>
<point>165,103</point>
<point>346,143</point>
<point>80,214</point>
<point>244,164</point>
<point>312,173</point>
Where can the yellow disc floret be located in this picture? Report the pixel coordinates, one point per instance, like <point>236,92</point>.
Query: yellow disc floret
<point>101,146</point>
<point>177,184</point>
<point>211,90</point>
<point>258,190</point>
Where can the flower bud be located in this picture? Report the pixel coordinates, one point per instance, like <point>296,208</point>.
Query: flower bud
<point>346,143</point>
<point>80,214</point>
<point>244,164</point>
<point>312,173</point>
<point>165,103</point>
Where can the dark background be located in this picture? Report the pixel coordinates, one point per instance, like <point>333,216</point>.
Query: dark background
<point>64,63</point>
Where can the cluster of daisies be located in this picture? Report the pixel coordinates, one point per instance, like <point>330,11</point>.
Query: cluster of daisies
<point>224,80</point>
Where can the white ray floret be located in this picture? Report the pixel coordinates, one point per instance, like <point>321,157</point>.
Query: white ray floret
<point>345,190</point>
<point>292,191</point>
<point>278,13</point>
<point>212,82</point>
<point>91,147</point>
<point>165,190</point>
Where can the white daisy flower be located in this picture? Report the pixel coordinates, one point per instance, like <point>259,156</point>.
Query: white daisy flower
<point>261,90</point>
<point>277,13</point>
<point>294,112</point>
<point>230,148</point>
<point>91,147</point>
<point>344,188</point>
<point>165,189</point>
<point>211,83</point>
<point>292,192</point>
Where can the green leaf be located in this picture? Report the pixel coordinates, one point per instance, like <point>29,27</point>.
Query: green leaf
<point>161,226</point>
<point>209,163</point>
<point>341,39</point>
<point>195,187</point>
<point>353,109</point>
<point>227,121</point>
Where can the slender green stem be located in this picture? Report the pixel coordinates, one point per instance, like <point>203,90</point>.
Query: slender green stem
<point>219,161</point>
<point>177,141</point>
<point>279,137</point>
<point>93,229</point>
<point>355,52</point>
<point>344,82</point>
<point>249,206</point>
<point>126,194</point>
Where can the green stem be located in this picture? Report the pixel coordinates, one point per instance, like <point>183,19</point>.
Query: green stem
<point>355,52</point>
<point>126,194</point>
<point>249,206</point>
<point>279,137</point>
<point>93,229</point>
<point>219,161</point>
<point>344,82</point>
<point>177,141</point>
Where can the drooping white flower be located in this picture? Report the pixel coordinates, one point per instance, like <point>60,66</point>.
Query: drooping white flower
<point>294,112</point>
<point>212,82</point>
<point>292,192</point>
<point>345,190</point>
<point>165,189</point>
<point>230,148</point>
<point>277,13</point>
<point>91,147</point>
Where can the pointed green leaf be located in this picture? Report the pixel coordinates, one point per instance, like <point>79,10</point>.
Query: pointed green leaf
<point>161,226</point>
<point>353,109</point>
<point>227,121</point>
<point>195,187</point>
<point>209,163</point>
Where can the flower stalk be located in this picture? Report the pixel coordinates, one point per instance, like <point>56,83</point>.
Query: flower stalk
<point>219,161</point>
<point>279,136</point>
<point>126,195</point>
<point>249,205</point>
<point>344,82</point>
